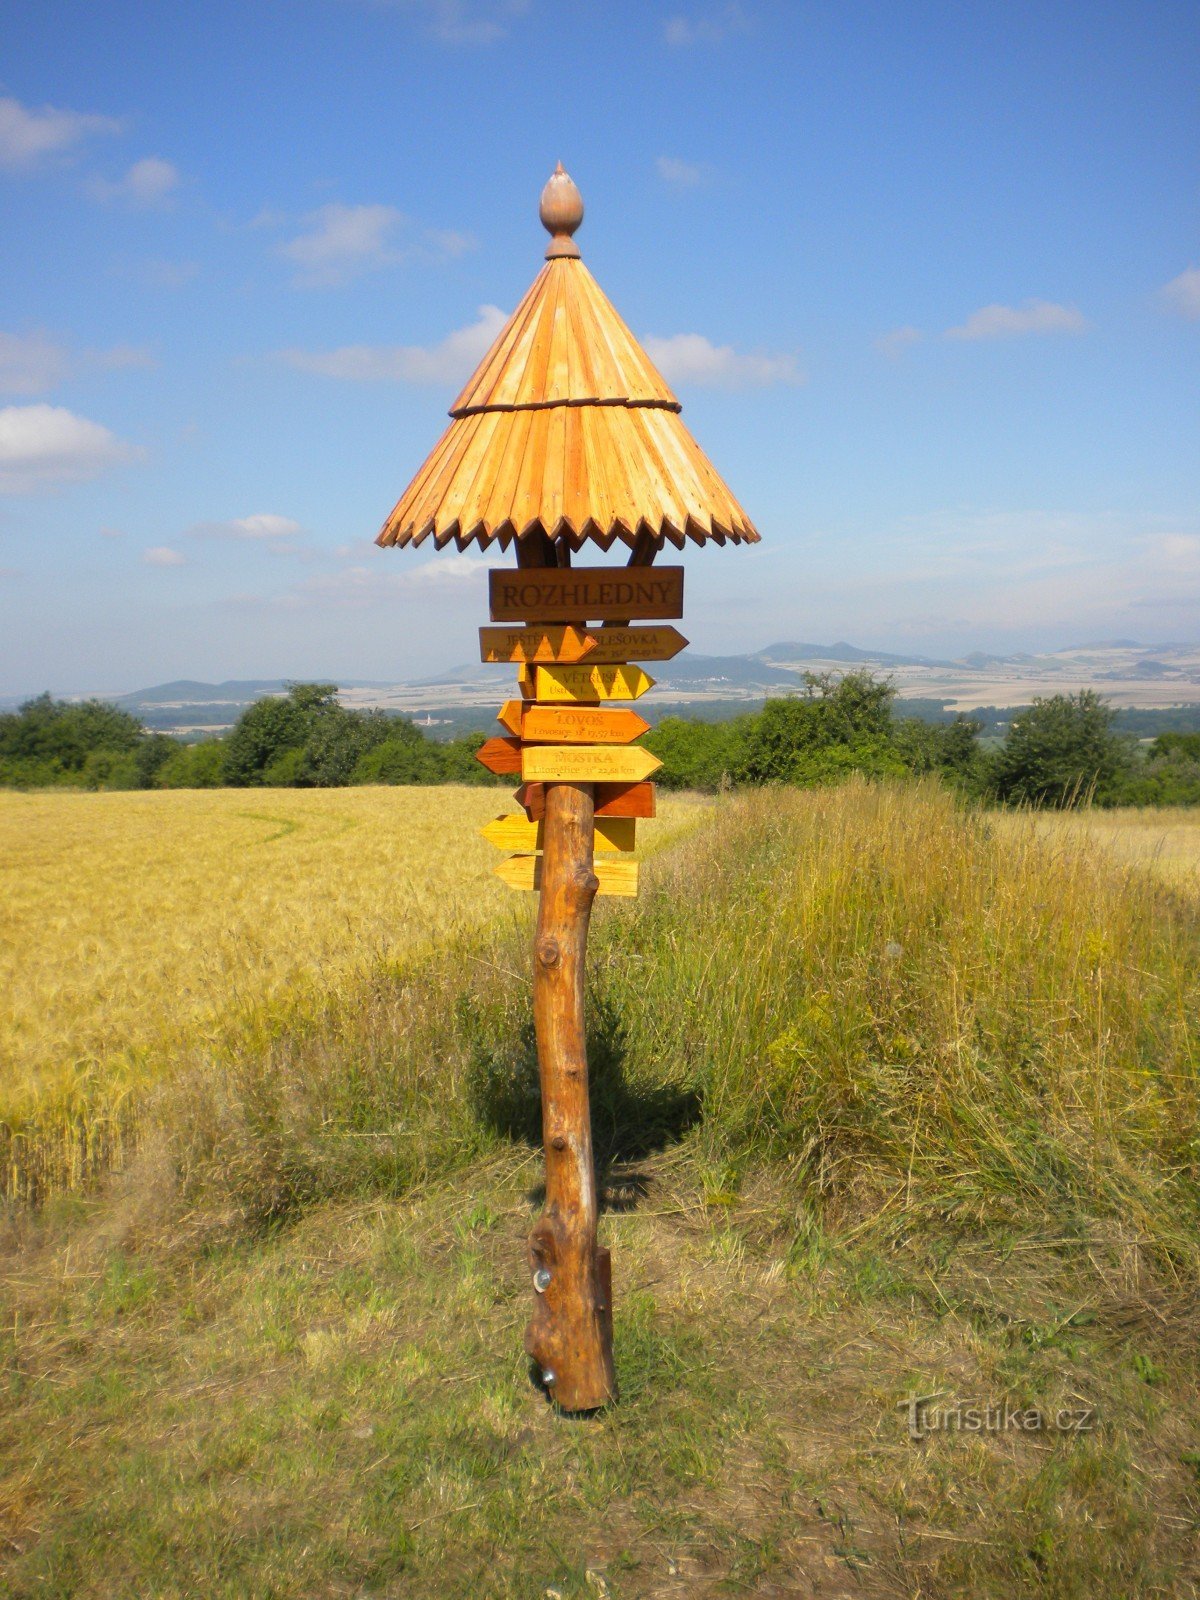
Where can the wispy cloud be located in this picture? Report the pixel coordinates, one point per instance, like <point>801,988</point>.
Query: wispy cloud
<point>894,344</point>
<point>28,137</point>
<point>451,360</point>
<point>162,555</point>
<point>680,174</point>
<point>691,358</point>
<point>262,525</point>
<point>361,586</point>
<point>710,25</point>
<point>1008,322</point>
<point>341,242</point>
<point>42,445</point>
<point>1182,294</point>
<point>462,22</point>
<point>34,363</point>
<point>149,184</point>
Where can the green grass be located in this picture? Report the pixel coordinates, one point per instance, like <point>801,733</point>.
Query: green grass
<point>887,1106</point>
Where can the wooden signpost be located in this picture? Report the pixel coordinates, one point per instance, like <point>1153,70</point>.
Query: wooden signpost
<point>567,433</point>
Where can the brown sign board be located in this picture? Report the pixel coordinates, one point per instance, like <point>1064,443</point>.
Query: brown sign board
<point>632,644</point>
<point>573,594</point>
<point>614,877</point>
<point>586,763</point>
<point>611,799</point>
<point>520,833</point>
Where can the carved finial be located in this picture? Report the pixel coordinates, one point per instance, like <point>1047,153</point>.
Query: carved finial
<point>561,212</point>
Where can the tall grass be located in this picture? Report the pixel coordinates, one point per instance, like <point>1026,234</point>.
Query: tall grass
<point>870,986</point>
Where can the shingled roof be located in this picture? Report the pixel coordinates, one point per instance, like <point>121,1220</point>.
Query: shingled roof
<point>566,429</point>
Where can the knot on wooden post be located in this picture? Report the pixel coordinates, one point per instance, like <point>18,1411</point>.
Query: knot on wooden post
<point>548,952</point>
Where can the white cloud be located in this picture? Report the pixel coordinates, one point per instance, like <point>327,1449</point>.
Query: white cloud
<point>1006,322</point>
<point>449,361</point>
<point>343,241</point>
<point>34,363</point>
<point>707,27</point>
<point>161,555</point>
<point>267,527</point>
<point>27,136</point>
<point>1182,294</point>
<point>894,344</point>
<point>41,445</point>
<point>691,358</point>
<point>678,173</point>
<point>470,22</point>
<point>364,585</point>
<point>148,183</point>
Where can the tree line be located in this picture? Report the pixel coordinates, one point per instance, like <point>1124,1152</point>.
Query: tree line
<point>1059,751</point>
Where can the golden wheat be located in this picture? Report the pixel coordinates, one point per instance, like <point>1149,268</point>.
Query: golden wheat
<point>138,925</point>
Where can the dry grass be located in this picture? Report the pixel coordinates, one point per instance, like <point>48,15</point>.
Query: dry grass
<point>1165,842</point>
<point>140,927</point>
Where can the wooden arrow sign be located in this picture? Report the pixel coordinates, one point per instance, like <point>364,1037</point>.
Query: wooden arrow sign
<point>586,763</point>
<point>586,683</point>
<point>511,715</point>
<point>621,799</point>
<point>580,724</point>
<point>533,797</point>
<point>525,872</point>
<point>500,755</point>
<point>548,643</point>
<point>573,594</point>
<point>631,644</point>
<point>610,799</point>
<point>518,833</point>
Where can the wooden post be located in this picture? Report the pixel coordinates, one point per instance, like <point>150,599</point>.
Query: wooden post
<point>570,1333</point>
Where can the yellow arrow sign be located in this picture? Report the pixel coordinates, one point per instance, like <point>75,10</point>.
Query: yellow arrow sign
<point>518,833</point>
<point>631,644</point>
<point>586,763</point>
<point>545,643</point>
<point>579,724</point>
<point>525,872</point>
<point>586,683</point>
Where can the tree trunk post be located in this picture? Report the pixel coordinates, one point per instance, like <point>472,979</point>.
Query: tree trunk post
<point>570,1333</point>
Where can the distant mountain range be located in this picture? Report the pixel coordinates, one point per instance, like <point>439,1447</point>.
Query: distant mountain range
<point>1130,674</point>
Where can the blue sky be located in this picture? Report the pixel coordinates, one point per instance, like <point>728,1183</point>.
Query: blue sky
<point>926,279</point>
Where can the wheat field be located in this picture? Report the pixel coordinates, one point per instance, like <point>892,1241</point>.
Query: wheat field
<point>142,925</point>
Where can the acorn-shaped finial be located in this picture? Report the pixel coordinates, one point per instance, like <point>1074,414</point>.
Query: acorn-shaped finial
<point>561,212</point>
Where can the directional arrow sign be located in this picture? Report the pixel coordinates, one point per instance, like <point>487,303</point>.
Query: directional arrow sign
<point>500,755</point>
<point>533,797</point>
<point>525,872</point>
<point>580,724</point>
<point>573,594</point>
<point>586,763</point>
<point>586,683</point>
<point>629,644</point>
<point>618,799</point>
<point>609,799</point>
<point>511,715</point>
<point>518,833</point>
<point>549,643</point>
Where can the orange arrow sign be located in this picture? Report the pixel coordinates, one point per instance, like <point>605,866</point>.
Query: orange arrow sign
<point>525,872</point>
<point>546,643</point>
<point>586,763</point>
<point>610,799</point>
<point>633,644</point>
<point>511,715</point>
<point>580,724</point>
<point>518,833</point>
<point>586,683</point>
<point>500,755</point>
<point>619,799</point>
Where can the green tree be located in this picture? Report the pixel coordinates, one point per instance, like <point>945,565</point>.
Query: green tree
<point>1059,751</point>
<point>270,727</point>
